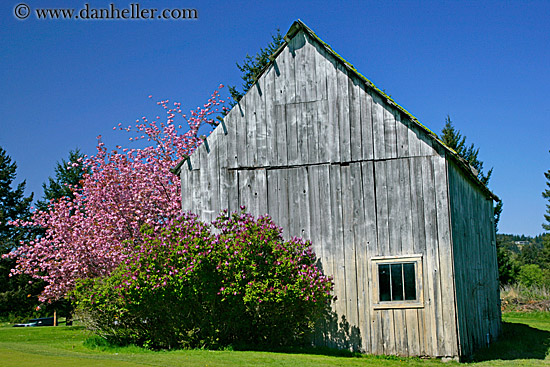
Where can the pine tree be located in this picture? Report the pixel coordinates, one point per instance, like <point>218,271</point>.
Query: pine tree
<point>68,178</point>
<point>546,195</point>
<point>13,205</point>
<point>545,253</point>
<point>456,141</point>
<point>15,292</point>
<point>252,66</point>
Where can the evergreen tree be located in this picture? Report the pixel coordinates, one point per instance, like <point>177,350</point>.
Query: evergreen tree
<point>456,141</point>
<point>252,66</point>
<point>545,255</point>
<point>13,205</point>
<point>546,195</point>
<point>68,178</point>
<point>16,293</point>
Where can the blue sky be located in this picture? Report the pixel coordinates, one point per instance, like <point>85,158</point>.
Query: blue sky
<point>484,63</point>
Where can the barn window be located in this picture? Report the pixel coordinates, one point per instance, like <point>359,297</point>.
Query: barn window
<point>397,282</point>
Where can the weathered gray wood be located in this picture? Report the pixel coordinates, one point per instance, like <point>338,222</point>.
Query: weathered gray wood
<point>302,125</point>
<point>434,320</point>
<point>185,188</point>
<point>260,191</point>
<point>478,310</point>
<point>370,249</point>
<point>294,195</point>
<point>303,202</point>
<point>205,183</point>
<point>252,104</point>
<point>407,237</point>
<point>325,219</point>
<point>400,327</point>
<point>231,125</point>
<point>390,133</point>
<point>394,210</point>
<point>350,270</point>
<point>261,123</point>
<point>337,241</point>
<point>321,65</point>
<point>311,110</point>
<point>333,138</point>
<point>315,211</point>
<point>412,330</point>
<point>273,194</point>
<point>214,173</point>
<point>367,143</point>
<point>305,71</point>
<point>378,127</point>
<point>244,189</point>
<point>241,133</point>
<point>280,130</point>
<point>288,73</point>
<point>445,257</point>
<point>342,100</point>
<point>388,331</point>
<point>360,238</point>
<point>355,118</point>
<point>402,136</point>
<point>412,138</point>
<point>284,203</point>
<point>324,132</point>
<point>270,117</point>
<point>382,215</point>
<point>292,132</point>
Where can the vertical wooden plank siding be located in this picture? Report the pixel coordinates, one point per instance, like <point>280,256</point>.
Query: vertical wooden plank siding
<point>432,297</point>
<point>241,133</point>
<point>355,122</point>
<point>252,104</point>
<point>331,161</point>
<point>476,271</point>
<point>261,123</point>
<point>370,331</point>
<point>448,311</point>
<point>350,270</point>
<point>337,240</point>
<point>378,134</point>
<point>367,142</point>
<point>333,137</point>
<point>342,103</point>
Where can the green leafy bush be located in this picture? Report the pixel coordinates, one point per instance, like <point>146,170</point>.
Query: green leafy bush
<point>532,275</point>
<point>187,287</point>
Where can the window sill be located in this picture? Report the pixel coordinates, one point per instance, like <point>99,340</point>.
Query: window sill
<point>398,305</point>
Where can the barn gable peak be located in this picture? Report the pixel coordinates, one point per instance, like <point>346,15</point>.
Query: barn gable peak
<point>298,28</point>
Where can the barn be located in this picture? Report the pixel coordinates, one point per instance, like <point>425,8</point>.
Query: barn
<point>397,218</point>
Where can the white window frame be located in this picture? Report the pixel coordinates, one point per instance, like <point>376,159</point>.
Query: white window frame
<point>379,260</point>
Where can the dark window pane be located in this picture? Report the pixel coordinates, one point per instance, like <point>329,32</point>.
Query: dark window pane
<point>384,282</point>
<point>396,282</point>
<point>410,281</point>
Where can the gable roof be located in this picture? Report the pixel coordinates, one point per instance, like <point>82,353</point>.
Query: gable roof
<point>298,26</point>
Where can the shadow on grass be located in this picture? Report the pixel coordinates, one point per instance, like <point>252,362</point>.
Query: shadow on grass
<point>517,341</point>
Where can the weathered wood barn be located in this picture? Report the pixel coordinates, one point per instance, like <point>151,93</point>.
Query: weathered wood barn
<point>398,219</point>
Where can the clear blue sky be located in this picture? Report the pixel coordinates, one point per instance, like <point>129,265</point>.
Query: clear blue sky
<point>485,63</point>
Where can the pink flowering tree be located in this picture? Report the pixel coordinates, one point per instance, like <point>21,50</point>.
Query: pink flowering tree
<point>89,235</point>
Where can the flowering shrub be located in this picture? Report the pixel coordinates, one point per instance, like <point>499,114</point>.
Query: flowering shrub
<point>89,235</point>
<point>187,287</point>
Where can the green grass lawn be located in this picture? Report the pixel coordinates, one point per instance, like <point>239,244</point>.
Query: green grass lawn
<point>525,342</point>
